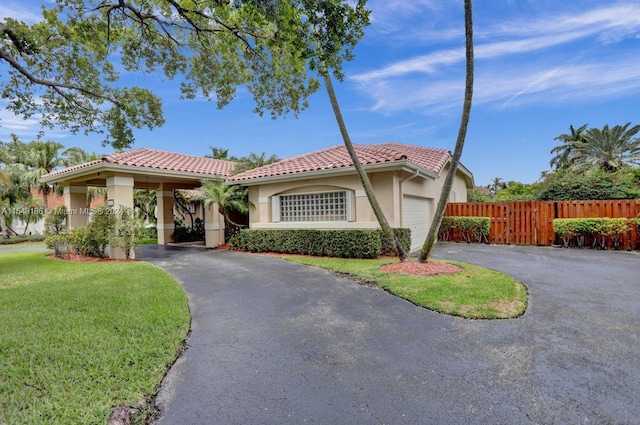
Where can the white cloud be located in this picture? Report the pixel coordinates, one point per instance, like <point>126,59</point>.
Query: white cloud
<point>556,59</point>
<point>510,86</point>
<point>21,12</point>
<point>24,128</point>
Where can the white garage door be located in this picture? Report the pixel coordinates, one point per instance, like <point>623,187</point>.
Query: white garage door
<point>416,215</point>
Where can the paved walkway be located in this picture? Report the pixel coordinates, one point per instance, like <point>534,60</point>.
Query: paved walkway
<point>279,343</point>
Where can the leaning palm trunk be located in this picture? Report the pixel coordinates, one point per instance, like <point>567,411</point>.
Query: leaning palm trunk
<point>364,179</point>
<point>457,153</point>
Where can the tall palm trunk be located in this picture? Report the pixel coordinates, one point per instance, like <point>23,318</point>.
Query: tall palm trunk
<point>3,226</point>
<point>462,132</point>
<point>364,179</point>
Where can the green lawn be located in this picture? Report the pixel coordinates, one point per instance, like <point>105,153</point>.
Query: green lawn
<point>474,293</point>
<point>77,339</point>
<point>22,245</point>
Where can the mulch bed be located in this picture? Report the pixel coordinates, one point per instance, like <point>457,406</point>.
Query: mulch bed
<point>430,268</point>
<point>80,259</point>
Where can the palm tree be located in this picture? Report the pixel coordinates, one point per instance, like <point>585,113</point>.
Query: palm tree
<point>145,202</point>
<point>227,197</point>
<point>30,210</point>
<point>608,149</point>
<point>496,184</point>
<point>362,174</point>
<point>254,161</point>
<point>11,193</point>
<point>220,153</point>
<point>32,160</point>
<point>76,155</point>
<point>462,132</point>
<point>564,153</point>
<point>326,29</point>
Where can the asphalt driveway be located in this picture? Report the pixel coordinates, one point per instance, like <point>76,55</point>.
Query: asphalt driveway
<point>274,342</point>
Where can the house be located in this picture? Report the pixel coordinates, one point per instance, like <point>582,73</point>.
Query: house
<point>148,169</point>
<point>321,190</point>
<point>318,190</point>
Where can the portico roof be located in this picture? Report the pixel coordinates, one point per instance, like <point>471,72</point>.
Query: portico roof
<point>148,167</point>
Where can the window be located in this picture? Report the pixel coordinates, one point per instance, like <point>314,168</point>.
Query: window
<point>324,206</point>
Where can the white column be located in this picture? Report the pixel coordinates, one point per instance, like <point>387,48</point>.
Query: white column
<point>164,213</point>
<point>213,227</point>
<point>120,193</point>
<point>75,199</point>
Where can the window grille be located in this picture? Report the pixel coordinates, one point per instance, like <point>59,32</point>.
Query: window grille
<point>327,206</point>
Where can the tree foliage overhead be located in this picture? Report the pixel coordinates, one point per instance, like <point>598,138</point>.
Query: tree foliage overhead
<point>65,70</point>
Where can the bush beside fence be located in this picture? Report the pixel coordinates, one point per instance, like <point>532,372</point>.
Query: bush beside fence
<point>470,229</point>
<point>596,232</point>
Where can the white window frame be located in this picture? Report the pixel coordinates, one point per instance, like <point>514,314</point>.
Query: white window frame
<point>277,200</point>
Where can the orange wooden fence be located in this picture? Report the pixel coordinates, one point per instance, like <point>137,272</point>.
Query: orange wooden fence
<point>531,222</point>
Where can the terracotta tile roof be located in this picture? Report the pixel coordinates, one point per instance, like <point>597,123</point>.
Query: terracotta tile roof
<point>152,158</point>
<point>336,157</point>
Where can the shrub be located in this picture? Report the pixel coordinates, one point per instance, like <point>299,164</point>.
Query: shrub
<point>473,229</point>
<point>55,222</point>
<point>149,231</point>
<point>361,243</point>
<point>599,229</point>
<point>403,234</point>
<point>181,233</point>
<point>82,242</point>
<point>128,229</point>
<point>101,229</point>
<point>595,184</point>
<point>60,243</point>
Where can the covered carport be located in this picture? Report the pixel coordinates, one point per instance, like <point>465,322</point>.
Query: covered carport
<point>147,169</point>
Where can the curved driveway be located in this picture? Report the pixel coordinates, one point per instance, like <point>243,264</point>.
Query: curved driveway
<point>274,342</point>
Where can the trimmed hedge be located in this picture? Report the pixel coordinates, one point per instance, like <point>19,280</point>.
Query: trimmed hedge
<point>403,234</point>
<point>598,229</point>
<point>360,243</point>
<point>473,229</point>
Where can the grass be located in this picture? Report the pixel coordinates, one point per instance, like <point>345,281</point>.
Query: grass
<point>474,293</point>
<point>77,339</point>
<point>22,245</point>
<point>148,241</point>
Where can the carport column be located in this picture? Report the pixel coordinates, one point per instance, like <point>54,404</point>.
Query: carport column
<point>75,199</point>
<point>119,193</point>
<point>213,226</point>
<point>164,213</point>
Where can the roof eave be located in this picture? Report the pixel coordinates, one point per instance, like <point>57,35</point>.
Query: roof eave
<point>130,169</point>
<point>334,172</point>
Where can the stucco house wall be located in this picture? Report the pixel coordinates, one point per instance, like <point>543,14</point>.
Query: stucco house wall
<point>389,187</point>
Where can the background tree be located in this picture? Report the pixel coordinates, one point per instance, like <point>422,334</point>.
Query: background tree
<point>30,161</point>
<point>145,202</point>
<point>516,191</point>
<point>564,153</point>
<point>75,156</point>
<point>607,148</point>
<point>63,69</point>
<point>496,184</point>
<point>253,160</point>
<point>220,153</point>
<point>457,153</point>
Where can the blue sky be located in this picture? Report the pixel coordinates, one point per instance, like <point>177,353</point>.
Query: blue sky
<point>541,65</point>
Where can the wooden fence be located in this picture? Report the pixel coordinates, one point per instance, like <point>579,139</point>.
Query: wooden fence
<point>531,222</point>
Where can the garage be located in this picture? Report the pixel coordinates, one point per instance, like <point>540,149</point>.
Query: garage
<point>416,215</point>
